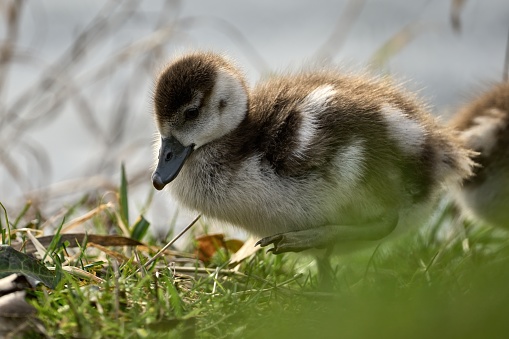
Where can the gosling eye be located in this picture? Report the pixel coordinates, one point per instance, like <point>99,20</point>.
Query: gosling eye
<point>191,113</point>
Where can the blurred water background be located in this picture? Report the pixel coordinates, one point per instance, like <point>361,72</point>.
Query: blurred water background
<point>76,76</point>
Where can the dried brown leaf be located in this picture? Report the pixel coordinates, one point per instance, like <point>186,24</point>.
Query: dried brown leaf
<point>233,245</point>
<point>247,250</point>
<point>78,238</point>
<point>120,257</point>
<point>207,246</point>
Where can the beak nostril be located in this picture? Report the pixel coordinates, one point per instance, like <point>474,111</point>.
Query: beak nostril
<point>168,156</point>
<point>172,155</point>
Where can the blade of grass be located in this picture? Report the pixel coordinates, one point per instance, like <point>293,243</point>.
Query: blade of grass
<point>38,246</point>
<point>175,298</point>
<point>56,240</point>
<point>140,228</point>
<point>116,276</point>
<point>22,214</point>
<point>123,199</point>
<point>4,235</point>
<point>371,261</point>
<point>161,251</point>
<point>394,45</point>
<point>82,248</point>
<point>123,227</point>
<point>78,272</point>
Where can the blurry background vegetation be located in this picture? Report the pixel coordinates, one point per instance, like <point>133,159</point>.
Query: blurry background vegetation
<point>76,77</point>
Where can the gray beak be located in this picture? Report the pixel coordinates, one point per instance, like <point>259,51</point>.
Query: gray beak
<point>172,156</point>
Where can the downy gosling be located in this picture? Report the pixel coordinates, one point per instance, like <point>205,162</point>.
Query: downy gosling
<point>484,127</point>
<point>312,159</point>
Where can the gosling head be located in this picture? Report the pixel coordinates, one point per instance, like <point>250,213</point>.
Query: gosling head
<point>198,98</point>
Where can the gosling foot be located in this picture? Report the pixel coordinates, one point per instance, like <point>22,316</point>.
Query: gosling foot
<point>328,236</point>
<point>286,242</point>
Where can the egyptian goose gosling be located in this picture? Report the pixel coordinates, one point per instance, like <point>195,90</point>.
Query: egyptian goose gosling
<point>304,160</point>
<point>484,127</point>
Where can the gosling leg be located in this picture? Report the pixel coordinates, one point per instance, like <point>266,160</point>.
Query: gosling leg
<point>329,235</point>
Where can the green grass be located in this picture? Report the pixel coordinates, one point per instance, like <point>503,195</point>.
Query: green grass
<point>419,286</point>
